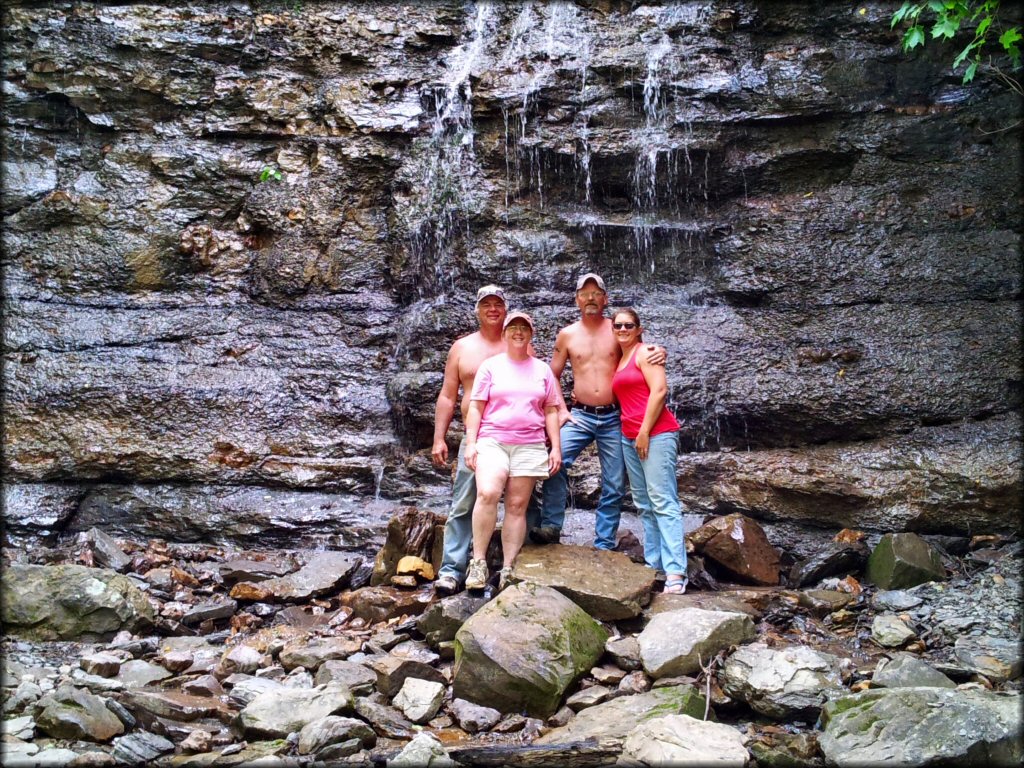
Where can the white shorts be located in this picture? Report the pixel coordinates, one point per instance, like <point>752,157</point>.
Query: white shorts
<point>527,460</point>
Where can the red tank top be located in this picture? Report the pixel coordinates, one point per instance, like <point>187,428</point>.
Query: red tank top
<point>632,392</point>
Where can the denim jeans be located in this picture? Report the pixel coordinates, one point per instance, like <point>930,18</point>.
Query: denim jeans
<point>458,530</point>
<point>584,429</point>
<point>656,496</point>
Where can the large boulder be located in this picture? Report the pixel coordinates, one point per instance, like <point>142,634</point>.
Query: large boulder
<point>71,713</point>
<point>902,560</point>
<point>326,572</point>
<point>282,711</point>
<point>71,602</point>
<point>677,740</point>
<point>607,585</point>
<point>923,726</point>
<point>741,546</point>
<point>613,720</point>
<point>781,682</point>
<point>679,642</point>
<point>905,670</point>
<point>521,651</point>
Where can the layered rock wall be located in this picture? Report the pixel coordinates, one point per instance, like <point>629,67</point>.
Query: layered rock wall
<point>823,233</point>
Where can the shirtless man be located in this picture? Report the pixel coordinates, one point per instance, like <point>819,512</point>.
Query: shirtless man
<point>464,358</point>
<point>590,345</point>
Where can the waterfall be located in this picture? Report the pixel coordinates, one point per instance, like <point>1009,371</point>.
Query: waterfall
<point>444,196</point>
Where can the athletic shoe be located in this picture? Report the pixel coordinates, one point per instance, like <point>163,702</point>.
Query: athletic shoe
<point>446,585</point>
<point>504,577</point>
<point>477,577</point>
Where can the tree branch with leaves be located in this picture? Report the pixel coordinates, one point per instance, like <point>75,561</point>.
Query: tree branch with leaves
<point>981,20</point>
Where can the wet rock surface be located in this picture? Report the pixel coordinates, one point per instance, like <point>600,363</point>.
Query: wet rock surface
<point>793,203</point>
<point>310,681</point>
<point>225,377</point>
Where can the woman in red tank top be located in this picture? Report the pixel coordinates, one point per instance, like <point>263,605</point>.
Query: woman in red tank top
<point>650,447</point>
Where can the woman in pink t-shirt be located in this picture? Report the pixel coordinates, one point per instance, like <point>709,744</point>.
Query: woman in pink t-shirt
<point>512,406</point>
<point>650,446</point>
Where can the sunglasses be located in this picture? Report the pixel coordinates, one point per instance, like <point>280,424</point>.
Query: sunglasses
<point>623,326</point>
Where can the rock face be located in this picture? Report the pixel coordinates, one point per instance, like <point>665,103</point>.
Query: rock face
<point>521,651</point>
<point>816,227</point>
<point>71,602</point>
<point>923,726</point>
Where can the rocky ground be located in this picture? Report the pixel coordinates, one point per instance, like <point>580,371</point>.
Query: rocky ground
<point>127,652</point>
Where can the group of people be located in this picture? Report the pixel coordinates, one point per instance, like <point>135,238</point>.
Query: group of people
<point>518,429</point>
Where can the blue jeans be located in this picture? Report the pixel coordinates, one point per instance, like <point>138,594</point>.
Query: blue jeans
<point>584,429</point>
<point>458,530</point>
<point>656,496</point>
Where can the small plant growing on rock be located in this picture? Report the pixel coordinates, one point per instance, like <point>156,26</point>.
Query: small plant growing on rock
<point>270,172</point>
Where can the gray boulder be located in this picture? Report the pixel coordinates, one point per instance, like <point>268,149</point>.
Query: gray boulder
<point>607,585</point>
<point>357,677</point>
<point>996,658</point>
<point>781,682</point>
<point>424,751</point>
<point>890,631</point>
<point>521,651</point>
<point>908,671</point>
<point>613,720</point>
<point>442,620</point>
<point>277,713</point>
<point>326,572</point>
<point>679,740</point>
<point>678,642</point>
<point>903,560</point>
<point>923,726</point>
<point>419,700</point>
<point>71,713</point>
<point>71,602</point>
<point>141,748</point>
<point>474,717</point>
<point>332,729</point>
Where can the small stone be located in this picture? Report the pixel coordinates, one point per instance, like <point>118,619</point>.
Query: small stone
<point>142,747</point>
<point>890,632</point>
<point>419,700</point>
<point>100,664</point>
<point>635,682</point>
<point>473,718</point>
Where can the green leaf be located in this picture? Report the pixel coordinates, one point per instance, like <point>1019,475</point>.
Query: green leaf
<point>913,37</point>
<point>983,25</point>
<point>969,74</point>
<point>1009,37</point>
<point>945,27</point>
<point>962,56</point>
<point>898,16</point>
<point>937,5</point>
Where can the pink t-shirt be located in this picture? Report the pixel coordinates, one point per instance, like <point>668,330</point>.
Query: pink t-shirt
<point>515,395</point>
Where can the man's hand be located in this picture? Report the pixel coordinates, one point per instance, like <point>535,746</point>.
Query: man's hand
<point>439,454</point>
<point>564,415</point>
<point>656,355</point>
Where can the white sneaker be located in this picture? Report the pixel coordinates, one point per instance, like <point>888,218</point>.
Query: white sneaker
<point>476,578</point>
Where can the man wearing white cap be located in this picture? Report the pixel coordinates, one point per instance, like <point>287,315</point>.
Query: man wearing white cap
<point>589,345</point>
<point>464,358</point>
